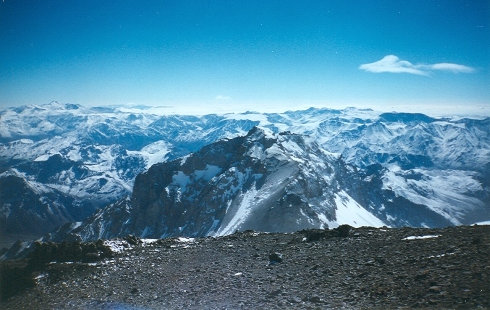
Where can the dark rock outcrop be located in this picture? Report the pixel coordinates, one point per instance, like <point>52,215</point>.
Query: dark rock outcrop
<point>261,181</point>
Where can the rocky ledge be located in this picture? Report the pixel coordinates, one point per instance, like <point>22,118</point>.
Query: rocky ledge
<point>315,269</point>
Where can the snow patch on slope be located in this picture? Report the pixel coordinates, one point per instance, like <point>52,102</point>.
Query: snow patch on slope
<point>421,237</point>
<point>447,192</point>
<point>351,213</point>
<point>208,173</point>
<point>241,214</point>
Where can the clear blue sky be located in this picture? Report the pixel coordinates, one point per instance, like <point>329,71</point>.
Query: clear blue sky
<point>254,54</point>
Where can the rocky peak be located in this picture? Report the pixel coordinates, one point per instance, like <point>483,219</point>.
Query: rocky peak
<point>261,181</point>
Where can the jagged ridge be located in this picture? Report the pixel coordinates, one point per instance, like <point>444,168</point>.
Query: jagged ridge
<point>261,181</point>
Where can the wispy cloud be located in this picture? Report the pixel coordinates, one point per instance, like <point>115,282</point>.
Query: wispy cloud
<point>393,64</point>
<point>444,66</point>
<point>222,97</point>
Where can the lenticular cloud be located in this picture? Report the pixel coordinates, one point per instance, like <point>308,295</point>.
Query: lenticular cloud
<point>393,64</point>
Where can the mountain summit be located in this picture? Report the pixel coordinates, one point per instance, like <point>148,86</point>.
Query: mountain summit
<point>262,181</point>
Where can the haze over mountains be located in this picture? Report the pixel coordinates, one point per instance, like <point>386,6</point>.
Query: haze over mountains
<point>300,169</point>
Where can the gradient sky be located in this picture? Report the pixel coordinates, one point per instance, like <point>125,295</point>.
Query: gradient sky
<point>246,55</point>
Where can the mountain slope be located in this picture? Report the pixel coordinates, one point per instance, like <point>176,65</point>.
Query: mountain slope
<point>32,212</point>
<point>93,155</point>
<point>261,181</point>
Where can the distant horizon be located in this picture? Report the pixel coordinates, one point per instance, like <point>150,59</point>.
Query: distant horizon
<point>429,110</point>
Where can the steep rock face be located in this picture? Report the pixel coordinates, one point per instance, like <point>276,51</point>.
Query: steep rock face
<point>261,181</point>
<point>33,211</point>
<point>253,182</point>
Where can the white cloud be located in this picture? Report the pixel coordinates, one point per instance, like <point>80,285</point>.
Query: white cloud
<point>444,66</point>
<point>222,97</point>
<point>393,64</point>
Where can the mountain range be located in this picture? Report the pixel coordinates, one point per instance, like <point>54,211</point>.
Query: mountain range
<point>110,171</point>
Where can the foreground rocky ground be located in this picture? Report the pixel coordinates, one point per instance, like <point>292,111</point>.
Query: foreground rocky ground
<point>320,269</point>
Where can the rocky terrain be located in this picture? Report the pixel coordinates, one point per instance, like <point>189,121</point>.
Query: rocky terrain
<point>354,268</point>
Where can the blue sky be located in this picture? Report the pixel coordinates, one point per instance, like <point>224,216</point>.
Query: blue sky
<point>246,55</point>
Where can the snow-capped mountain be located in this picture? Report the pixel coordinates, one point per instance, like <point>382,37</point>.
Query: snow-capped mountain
<point>91,156</point>
<point>261,181</point>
